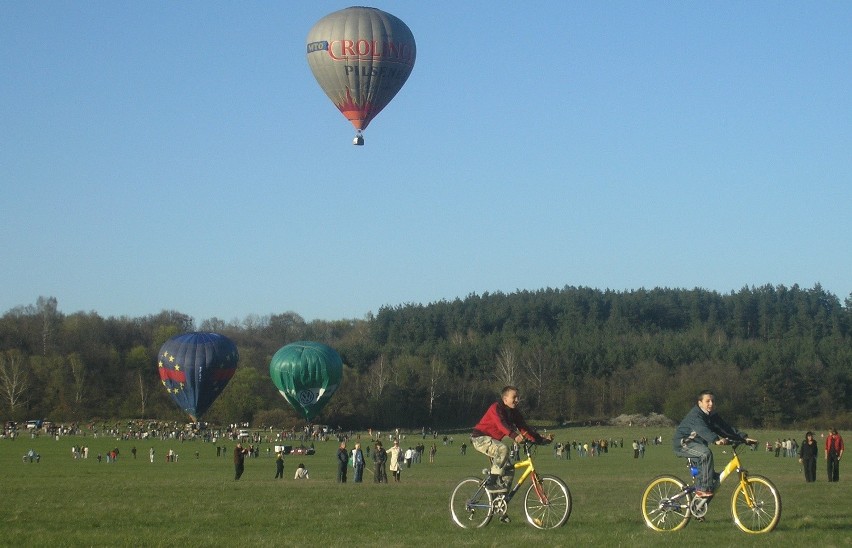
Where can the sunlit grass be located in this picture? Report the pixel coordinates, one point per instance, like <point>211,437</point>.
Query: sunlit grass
<point>196,502</point>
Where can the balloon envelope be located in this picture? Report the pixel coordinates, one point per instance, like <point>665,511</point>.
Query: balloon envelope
<point>195,368</point>
<point>361,57</point>
<point>307,374</point>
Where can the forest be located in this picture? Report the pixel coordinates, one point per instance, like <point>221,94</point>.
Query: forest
<point>775,356</point>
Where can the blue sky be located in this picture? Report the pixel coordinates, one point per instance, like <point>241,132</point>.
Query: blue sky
<point>181,156</point>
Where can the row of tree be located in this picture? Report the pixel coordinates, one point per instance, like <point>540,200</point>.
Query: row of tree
<point>774,355</point>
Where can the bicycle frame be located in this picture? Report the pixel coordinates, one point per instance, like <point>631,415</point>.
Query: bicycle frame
<point>528,468</point>
<point>734,466</point>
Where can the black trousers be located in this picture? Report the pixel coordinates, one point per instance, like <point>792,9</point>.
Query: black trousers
<point>833,467</point>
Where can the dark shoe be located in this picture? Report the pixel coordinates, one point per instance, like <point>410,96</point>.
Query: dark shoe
<point>493,485</point>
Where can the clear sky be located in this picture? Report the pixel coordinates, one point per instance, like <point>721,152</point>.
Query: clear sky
<point>180,155</point>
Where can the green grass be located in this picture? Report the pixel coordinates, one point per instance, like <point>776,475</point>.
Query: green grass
<point>195,502</point>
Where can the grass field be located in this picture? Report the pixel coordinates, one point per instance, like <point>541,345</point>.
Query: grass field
<point>196,502</point>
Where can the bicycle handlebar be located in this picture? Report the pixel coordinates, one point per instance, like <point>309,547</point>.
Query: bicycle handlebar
<point>739,441</point>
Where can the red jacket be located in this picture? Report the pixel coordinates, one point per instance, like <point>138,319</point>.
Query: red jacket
<point>501,421</point>
<point>836,441</point>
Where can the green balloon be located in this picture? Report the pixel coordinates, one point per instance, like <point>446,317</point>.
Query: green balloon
<point>307,374</point>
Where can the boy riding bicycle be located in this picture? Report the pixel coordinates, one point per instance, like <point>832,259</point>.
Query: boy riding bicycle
<point>701,427</point>
<point>502,419</point>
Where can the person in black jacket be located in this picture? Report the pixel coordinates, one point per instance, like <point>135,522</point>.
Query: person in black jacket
<point>808,453</point>
<point>379,458</point>
<point>342,462</point>
<point>239,460</point>
<point>701,427</point>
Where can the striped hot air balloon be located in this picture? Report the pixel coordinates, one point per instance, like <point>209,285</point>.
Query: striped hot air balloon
<point>195,368</point>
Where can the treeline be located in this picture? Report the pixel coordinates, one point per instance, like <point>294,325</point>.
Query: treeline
<point>775,356</point>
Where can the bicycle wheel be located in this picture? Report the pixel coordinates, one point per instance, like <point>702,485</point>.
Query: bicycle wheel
<point>756,506</point>
<point>470,504</point>
<point>665,506</point>
<point>547,503</point>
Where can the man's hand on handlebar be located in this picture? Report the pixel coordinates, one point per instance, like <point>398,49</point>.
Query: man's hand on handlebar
<point>727,441</point>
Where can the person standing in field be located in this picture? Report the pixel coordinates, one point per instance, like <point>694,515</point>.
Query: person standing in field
<point>395,457</point>
<point>151,454</point>
<point>379,458</point>
<point>358,463</point>
<point>833,452</point>
<point>808,453</point>
<point>279,465</point>
<point>342,462</point>
<point>239,461</point>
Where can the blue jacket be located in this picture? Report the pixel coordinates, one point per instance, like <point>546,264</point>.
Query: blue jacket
<point>702,428</point>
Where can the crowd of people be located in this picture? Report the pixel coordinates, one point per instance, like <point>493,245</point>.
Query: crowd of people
<point>701,428</point>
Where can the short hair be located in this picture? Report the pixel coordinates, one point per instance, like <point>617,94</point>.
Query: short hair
<point>507,388</point>
<point>705,392</point>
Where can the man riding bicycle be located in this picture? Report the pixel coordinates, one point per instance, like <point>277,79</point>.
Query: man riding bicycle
<point>501,420</point>
<point>701,427</point>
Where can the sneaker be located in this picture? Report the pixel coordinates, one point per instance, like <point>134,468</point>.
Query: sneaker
<point>703,494</point>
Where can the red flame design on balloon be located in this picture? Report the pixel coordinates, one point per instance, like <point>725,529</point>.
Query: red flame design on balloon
<point>358,115</point>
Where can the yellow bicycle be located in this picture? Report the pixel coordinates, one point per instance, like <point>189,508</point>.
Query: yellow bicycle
<point>547,502</point>
<point>668,503</point>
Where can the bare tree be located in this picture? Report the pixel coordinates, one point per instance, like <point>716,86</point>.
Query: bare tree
<point>377,378</point>
<point>78,375</point>
<point>14,379</point>
<point>539,367</point>
<point>507,366</point>
<point>142,392</point>
<point>47,307</point>
<point>139,365</point>
<point>437,376</point>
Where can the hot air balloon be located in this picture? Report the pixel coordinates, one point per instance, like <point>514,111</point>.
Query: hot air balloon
<point>195,368</point>
<point>307,374</point>
<point>361,57</point>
